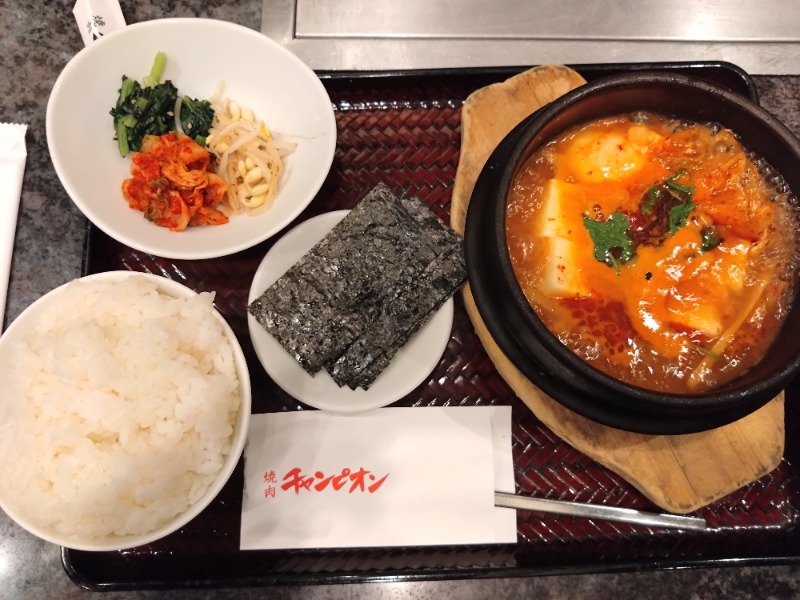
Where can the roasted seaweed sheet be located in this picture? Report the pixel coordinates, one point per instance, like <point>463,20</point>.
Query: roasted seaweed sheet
<point>352,301</point>
<point>370,354</point>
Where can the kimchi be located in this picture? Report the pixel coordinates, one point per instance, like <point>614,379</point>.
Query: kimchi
<point>173,184</point>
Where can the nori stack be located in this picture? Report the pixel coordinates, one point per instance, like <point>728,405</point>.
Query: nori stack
<point>329,297</point>
<point>371,353</point>
<point>439,234</point>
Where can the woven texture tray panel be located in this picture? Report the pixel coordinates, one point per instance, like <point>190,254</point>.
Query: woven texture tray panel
<point>404,130</point>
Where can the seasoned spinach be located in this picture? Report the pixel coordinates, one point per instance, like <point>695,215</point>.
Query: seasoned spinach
<point>196,118</point>
<point>149,109</point>
<point>142,111</point>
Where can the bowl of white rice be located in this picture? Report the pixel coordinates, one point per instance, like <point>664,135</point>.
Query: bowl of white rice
<point>123,411</point>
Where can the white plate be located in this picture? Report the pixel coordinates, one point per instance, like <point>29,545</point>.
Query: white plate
<point>256,72</point>
<point>409,367</point>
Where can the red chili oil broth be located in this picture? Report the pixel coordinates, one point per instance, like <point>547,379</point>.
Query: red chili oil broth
<point>659,250</point>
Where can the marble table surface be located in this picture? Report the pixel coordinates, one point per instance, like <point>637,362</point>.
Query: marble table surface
<point>37,38</point>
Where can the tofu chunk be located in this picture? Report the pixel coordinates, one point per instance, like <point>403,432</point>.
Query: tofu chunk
<point>561,274</point>
<point>561,209</point>
<point>599,155</point>
<point>702,299</point>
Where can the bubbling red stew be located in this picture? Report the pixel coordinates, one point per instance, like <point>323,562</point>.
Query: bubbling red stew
<point>660,251</point>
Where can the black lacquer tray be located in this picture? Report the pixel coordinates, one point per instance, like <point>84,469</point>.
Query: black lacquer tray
<point>403,129</point>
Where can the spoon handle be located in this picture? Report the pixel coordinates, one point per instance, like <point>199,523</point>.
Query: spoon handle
<point>597,511</point>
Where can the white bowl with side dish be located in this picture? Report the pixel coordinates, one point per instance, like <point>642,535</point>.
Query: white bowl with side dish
<point>201,55</point>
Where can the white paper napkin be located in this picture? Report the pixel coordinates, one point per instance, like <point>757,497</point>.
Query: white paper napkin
<point>13,154</point>
<point>391,477</point>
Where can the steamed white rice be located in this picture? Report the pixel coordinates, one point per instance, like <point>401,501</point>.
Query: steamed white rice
<point>124,405</point>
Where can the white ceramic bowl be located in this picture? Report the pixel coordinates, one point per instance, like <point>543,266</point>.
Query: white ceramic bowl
<point>25,323</point>
<point>255,71</point>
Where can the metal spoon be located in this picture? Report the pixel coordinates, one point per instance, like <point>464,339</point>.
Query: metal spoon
<point>597,511</point>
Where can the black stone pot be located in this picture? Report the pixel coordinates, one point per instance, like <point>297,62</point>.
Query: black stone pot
<point>524,339</point>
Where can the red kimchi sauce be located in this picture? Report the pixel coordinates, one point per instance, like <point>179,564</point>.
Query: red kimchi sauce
<point>173,185</point>
<point>658,250</point>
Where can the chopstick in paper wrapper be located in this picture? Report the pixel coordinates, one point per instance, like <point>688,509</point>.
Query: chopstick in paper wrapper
<point>13,154</point>
<point>97,18</point>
